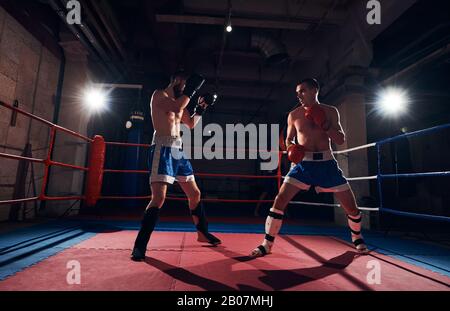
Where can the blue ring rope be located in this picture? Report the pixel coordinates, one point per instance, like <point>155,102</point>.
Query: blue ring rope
<point>416,215</point>
<point>412,134</point>
<point>411,175</point>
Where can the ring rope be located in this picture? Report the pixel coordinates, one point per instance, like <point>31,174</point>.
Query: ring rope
<point>355,148</point>
<point>362,208</point>
<point>415,215</point>
<point>362,178</point>
<point>48,123</point>
<point>412,134</point>
<point>410,175</point>
<point>55,127</point>
<point>171,198</point>
<point>17,157</point>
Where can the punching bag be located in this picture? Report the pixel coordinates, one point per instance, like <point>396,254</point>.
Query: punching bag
<point>131,181</point>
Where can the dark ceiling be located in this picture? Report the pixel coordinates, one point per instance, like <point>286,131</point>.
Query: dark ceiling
<point>142,39</point>
<point>273,44</point>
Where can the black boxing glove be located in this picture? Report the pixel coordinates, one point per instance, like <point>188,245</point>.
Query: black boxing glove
<point>209,99</point>
<point>193,84</point>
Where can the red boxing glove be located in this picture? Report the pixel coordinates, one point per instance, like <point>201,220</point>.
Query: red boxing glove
<point>316,114</point>
<point>296,153</point>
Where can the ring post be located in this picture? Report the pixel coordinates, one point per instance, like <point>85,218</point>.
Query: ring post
<point>94,178</point>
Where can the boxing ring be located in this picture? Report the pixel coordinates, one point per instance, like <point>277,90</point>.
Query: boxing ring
<point>94,254</point>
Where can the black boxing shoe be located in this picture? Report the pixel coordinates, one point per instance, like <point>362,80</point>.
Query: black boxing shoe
<point>207,237</point>
<point>137,255</point>
<point>148,222</point>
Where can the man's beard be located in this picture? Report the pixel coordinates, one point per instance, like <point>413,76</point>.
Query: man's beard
<point>177,91</point>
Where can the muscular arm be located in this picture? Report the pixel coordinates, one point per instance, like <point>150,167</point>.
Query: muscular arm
<point>190,122</point>
<point>291,133</point>
<point>336,133</point>
<point>170,105</point>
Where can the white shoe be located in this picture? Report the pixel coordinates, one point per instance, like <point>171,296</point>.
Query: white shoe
<point>361,246</point>
<point>260,251</point>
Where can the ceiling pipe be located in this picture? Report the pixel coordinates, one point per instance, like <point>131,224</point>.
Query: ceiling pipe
<point>98,7</point>
<point>273,51</point>
<point>95,23</point>
<point>97,46</point>
<point>61,12</point>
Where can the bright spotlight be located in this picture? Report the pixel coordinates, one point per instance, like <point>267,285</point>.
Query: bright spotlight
<point>393,102</point>
<point>229,28</point>
<point>95,99</point>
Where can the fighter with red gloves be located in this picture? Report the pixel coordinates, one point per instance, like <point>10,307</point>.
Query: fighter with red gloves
<point>315,126</point>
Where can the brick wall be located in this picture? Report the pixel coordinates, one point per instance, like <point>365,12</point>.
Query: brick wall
<point>28,73</point>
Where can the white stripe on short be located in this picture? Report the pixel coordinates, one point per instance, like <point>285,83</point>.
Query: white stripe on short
<point>296,183</point>
<point>340,188</point>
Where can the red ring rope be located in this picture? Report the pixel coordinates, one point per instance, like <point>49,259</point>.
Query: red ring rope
<point>96,171</point>
<point>47,161</point>
<point>148,197</point>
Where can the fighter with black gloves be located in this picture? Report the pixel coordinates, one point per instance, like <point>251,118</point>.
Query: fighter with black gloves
<point>167,160</point>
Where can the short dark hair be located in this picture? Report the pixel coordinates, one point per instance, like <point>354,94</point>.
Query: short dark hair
<point>179,74</point>
<point>311,83</point>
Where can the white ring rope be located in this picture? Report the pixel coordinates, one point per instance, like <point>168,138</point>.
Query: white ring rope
<point>333,205</point>
<point>350,149</point>
<point>354,178</point>
<point>374,209</point>
<point>362,178</point>
<point>355,148</point>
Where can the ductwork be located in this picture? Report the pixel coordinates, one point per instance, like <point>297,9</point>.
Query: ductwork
<point>273,51</point>
<point>88,41</point>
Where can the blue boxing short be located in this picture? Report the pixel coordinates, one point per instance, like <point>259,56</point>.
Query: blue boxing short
<point>167,161</point>
<point>319,170</point>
